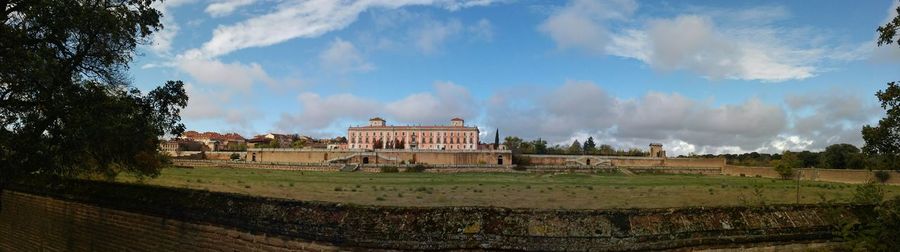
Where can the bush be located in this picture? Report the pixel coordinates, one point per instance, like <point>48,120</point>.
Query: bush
<point>882,176</point>
<point>868,193</point>
<point>165,159</point>
<point>518,159</point>
<point>235,156</point>
<point>416,168</point>
<point>786,172</point>
<point>876,228</point>
<point>389,169</point>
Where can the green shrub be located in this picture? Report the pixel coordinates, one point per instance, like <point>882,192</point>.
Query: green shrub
<point>868,193</point>
<point>389,169</point>
<point>416,168</point>
<point>786,172</point>
<point>235,156</point>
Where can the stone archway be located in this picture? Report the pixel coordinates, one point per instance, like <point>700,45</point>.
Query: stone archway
<point>500,159</point>
<point>365,160</point>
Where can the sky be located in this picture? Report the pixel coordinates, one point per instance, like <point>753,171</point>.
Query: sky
<point>697,76</point>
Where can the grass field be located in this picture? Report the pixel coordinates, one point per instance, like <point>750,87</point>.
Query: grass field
<point>572,191</point>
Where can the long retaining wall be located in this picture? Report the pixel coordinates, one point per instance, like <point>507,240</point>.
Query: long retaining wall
<point>812,174</point>
<point>80,215</point>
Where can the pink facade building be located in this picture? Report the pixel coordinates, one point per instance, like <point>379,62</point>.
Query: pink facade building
<point>379,135</point>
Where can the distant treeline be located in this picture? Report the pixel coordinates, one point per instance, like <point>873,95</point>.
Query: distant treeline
<point>836,156</point>
<point>589,147</point>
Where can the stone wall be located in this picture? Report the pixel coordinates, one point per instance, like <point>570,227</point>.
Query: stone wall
<point>80,215</point>
<point>812,174</point>
<point>429,157</point>
<point>334,167</point>
<point>620,161</point>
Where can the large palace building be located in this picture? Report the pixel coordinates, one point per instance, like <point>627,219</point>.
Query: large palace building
<point>379,135</point>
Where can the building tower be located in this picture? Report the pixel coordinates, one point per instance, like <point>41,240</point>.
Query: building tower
<point>656,151</point>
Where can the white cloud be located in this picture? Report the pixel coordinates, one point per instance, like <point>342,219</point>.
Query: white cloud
<point>218,105</point>
<point>303,19</point>
<point>580,24</point>
<point>447,101</point>
<point>714,43</point>
<point>320,113</point>
<point>583,107</point>
<point>342,56</point>
<point>231,75</point>
<point>431,37</point>
<point>161,41</point>
<point>482,30</point>
<point>225,7</point>
<point>578,109</point>
<point>695,44</point>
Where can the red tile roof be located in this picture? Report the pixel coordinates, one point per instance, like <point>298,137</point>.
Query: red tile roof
<point>212,135</point>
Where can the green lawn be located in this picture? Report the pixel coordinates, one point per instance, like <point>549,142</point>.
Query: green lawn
<point>504,189</point>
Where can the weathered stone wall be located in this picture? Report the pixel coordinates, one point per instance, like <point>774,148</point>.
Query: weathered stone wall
<point>430,157</point>
<point>337,167</point>
<point>619,161</point>
<point>812,174</point>
<point>104,216</point>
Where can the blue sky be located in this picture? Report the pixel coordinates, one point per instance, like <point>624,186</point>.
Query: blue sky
<point>697,76</point>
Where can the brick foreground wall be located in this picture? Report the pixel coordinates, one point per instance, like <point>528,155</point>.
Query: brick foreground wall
<point>78,215</point>
<point>37,223</point>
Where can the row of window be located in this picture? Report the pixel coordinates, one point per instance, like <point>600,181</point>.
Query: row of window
<point>430,134</point>
<point>426,140</point>
<point>449,147</point>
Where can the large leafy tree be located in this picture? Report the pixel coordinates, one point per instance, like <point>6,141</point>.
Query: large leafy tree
<point>887,33</point>
<point>883,140</point>
<point>842,156</point>
<point>66,104</point>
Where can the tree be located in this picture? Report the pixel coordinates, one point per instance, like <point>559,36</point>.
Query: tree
<point>883,140</point>
<point>497,139</point>
<point>589,146</point>
<point>299,143</point>
<point>66,104</point>
<point>575,148</point>
<point>540,146</point>
<point>842,156</point>
<point>606,149</point>
<point>273,144</point>
<point>887,32</point>
<point>807,159</point>
<point>790,159</point>
<point>512,143</point>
